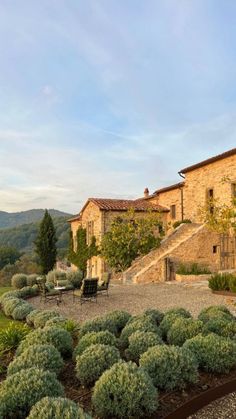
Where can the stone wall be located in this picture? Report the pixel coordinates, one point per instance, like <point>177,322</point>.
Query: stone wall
<point>168,198</point>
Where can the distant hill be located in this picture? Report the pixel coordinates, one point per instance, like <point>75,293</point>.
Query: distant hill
<point>15,219</point>
<point>23,236</point>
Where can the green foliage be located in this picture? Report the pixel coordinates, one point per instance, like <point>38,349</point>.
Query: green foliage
<point>55,275</point>
<point>142,324</point>
<point>178,223</point>
<point>83,252</point>
<point>92,338</point>
<point>45,244</point>
<point>29,291</point>
<point>69,325</point>
<point>170,367</point>
<point>21,311</point>
<point>140,342</point>
<point>129,238</point>
<point>31,279</point>
<point>44,357</point>
<point>57,337</point>
<point>9,305</point>
<point>19,281</point>
<point>8,255</point>
<point>98,324</point>
<point>124,391</point>
<point>30,317</point>
<point>170,317</point>
<point>218,282</point>
<point>232,283</point>
<point>94,361</point>
<point>11,336</point>
<point>57,408</point>
<point>8,295</point>
<point>183,329</point>
<point>119,318</point>
<point>211,312</point>
<point>192,269</point>
<point>214,353</point>
<point>42,317</point>
<point>20,391</point>
<point>8,220</point>
<point>75,278</point>
<point>221,326</point>
<point>156,315</point>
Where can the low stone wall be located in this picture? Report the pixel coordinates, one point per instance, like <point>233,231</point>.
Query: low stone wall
<point>186,278</point>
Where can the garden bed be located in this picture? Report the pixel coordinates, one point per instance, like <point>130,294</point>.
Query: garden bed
<point>226,293</point>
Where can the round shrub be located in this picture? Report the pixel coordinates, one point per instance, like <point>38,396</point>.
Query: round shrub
<point>29,291</point>
<point>144,324</point>
<point>58,321</point>
<point>20,391</point>
<point>170,367</point>
<point>19,281</point>
<point>214,353</point>
<point>221,326</point>
<point>92,338</point>
<point>10,304</point>
<point>55,275</point>
<point>8,295</point>
<point>75,278</point>
<point>94,361</point>
<point>183,329</point>
<point>57,408</point>
<point>41,318</point>
<point>120,318</point>
<point>140,342</point>
<point>31,279</point>
<point>170,317</point>
<point>21,311</point>
<point>57,337</point>
<point>45,357</point>
<point>156,315</point>
<point>124,391</point>
<point>98,324</point>
<point>30,317</point>
<point>215,312</point>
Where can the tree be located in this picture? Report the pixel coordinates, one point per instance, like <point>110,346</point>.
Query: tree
<point>130,237</point>
<point>8,255</point>
<point>45,244</point>
<point>83,252</point>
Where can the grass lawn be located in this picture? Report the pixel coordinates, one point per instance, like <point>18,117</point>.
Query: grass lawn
<point>4,321</point>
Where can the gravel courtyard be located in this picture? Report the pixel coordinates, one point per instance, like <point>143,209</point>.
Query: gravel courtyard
<point>137,298</point>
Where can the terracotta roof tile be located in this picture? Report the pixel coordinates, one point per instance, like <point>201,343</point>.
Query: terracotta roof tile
<point>169,188</point>
<point>210,160</point>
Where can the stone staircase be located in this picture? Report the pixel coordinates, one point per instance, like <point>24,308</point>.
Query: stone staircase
<point>144,267</point>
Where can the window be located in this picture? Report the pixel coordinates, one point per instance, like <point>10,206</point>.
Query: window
<point>214,249</point>
<point>173,211</point>
<point>210,198</point>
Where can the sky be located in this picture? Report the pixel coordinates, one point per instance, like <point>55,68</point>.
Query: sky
<point>102,98</point>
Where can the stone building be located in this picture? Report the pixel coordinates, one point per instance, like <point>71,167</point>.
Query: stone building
<point>212,178</point>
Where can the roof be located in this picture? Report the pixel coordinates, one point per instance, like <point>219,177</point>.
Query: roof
<point>169,188</point>
<point>105,204</point>
<point>208,161</point>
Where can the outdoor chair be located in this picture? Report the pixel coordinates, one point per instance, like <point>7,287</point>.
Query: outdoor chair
<point>46,293</point>
<point>104,284</point>
<point>88,290</point>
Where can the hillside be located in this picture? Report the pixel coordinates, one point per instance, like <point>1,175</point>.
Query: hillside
<point>22,237</point>
<point>15,219</point>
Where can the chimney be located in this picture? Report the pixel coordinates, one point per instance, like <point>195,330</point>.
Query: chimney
<point>146,193</point>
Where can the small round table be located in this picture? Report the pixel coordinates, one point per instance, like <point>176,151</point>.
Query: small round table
<point>60,289</point>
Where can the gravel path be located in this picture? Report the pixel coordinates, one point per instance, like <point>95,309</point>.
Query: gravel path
<point>137,298</point>
<point>224,408</point>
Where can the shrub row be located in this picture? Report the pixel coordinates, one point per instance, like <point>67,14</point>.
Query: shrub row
<point>223,282</point>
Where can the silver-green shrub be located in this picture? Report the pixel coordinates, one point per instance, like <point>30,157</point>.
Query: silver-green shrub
<point>57,337</point>
<point>92,338</point>
<point>120,318</point>
<point>155,314</point>
<point>29,291</point>
<point>31,279</point>
<point>170,367</point>
<point>170,317</point>
<point>97,325</point>
<point>57,408</point>
<point>21,311</point>
<point>94,361</point>
<point>212,312</point>
<point>58,321</point>
<point>9,305</point>
<point>19,281</point>
<point>140,342</point>
<point>75,278</point>
<point>41,318</point>
<point>8,295</point>
<point>214,353</point>
<point>30,317</point>
<point>20,391</point>
<point>45,357</point>
<point>55,275</point>
<point>142,324</point>
<point>124,391</point>
<point>221,326</point>
<point>183,329</point>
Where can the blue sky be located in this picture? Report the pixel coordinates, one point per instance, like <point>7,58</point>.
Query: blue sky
<point>103,98</point>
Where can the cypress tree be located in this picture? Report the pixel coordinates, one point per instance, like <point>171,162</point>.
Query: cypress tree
<point>45,244</point>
